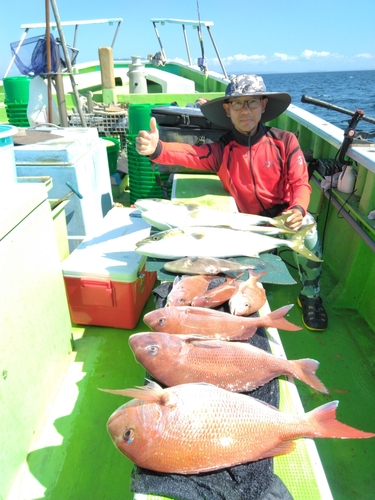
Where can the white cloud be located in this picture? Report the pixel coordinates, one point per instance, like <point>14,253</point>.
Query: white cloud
<point>285,57</point>
<point>313,54</point>
<point>244,58</point>
<point>364,56</point>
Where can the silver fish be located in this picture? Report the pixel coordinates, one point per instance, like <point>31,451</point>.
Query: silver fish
<point>221,242</point>
<point>167,214</point>
<point>205,265</point>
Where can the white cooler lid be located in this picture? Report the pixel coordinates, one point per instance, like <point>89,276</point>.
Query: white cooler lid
<point>71,145</point>
<point>110,252</point>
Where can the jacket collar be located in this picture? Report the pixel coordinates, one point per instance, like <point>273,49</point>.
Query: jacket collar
<point>243,139</point>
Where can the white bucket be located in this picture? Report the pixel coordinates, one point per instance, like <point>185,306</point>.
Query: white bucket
<point>8,172</point>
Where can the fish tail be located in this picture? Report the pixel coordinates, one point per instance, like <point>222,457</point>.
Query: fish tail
<point>325,425</point>
<point>151,393</point>
<point>305,370</point>
<point>296,243</point>
<point>279,222</point>
<point>276,319</point>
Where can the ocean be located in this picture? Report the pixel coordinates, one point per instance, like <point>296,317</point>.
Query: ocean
<point>347,89</point>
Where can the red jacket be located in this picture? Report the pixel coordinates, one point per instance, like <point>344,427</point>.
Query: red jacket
<point>259,171</point>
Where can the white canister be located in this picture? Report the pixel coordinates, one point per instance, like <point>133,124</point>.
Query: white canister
<point>7,161</point>
<point>346,180</point>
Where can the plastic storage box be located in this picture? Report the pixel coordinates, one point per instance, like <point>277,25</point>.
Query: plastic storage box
<point>105,279</point>
<point>77,156</point>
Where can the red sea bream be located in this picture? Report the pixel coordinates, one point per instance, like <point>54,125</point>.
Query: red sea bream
<point>192,428</point>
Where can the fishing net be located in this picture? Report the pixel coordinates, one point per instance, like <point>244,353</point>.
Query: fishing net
<point>31,56</point>
<point>251,481</point>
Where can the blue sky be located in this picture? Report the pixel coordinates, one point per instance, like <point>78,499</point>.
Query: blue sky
<point>273,36</point>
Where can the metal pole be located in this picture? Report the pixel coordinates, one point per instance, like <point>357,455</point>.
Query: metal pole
<point>187,44</point>
<point>68,63</point>
<point>159,40</point>
<point>49,65</point>
<point>115,35</point>
<point>16,52</point>
<point>217,52</point>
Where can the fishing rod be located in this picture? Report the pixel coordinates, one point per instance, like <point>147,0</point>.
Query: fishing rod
<point>349,132</point>
<point>327,105</point>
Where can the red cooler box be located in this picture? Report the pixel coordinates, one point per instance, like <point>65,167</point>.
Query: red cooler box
<point>105,279</point>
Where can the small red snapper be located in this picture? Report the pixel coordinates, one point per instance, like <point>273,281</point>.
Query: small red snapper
<point>215,324</point>
<point>186,289</point>
<point>235,366</point>
<point>216,296</point>
<point>192,428</point>
<point>248,297</point>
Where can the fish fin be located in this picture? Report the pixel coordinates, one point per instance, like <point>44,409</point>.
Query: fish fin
<point>324,424</point>
<point>233,274</point>
<point>151,393</point>
<point>176,281</point>
<point>279,222</point>
<point>192,337</point>
<point>276,319</point>
<point>305,370</point>
<point>257,276</point>
<point>190,207</point>
<point>208,343</point>
<point>296,243</point>
<point>281,449</point>
<point>245,335</point>
<point>194,213</point>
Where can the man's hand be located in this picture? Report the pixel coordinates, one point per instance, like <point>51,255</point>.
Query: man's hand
<point>147,141</point>
<point>294,221</point>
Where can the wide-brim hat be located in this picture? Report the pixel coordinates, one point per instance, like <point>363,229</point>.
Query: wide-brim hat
<point>241,86</point>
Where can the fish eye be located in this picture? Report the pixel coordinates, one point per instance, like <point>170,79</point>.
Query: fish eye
<point>152,350</point>
<point>155,238</point>
<point>128,435</point>
<point>161,321</point>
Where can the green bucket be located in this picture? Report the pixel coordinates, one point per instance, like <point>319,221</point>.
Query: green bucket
<point>16,89</point>
<point>139,116</point>
<point>113,148</point>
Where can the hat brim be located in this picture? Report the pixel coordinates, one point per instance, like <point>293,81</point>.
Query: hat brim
<point>277,103</point>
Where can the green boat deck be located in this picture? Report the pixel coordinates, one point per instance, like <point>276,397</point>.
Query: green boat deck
<point>73,457</point>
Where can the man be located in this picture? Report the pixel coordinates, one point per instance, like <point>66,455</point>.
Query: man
<point>263,168</point>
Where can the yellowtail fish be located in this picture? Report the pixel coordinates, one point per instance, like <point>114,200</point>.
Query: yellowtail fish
<point>221,242</point>
<point>166,214</point>
<point>234,366</point>
<point>193,428</point>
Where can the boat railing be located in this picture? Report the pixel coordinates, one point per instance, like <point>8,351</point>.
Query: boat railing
<point>323,141</point>
<point>196,25</point>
